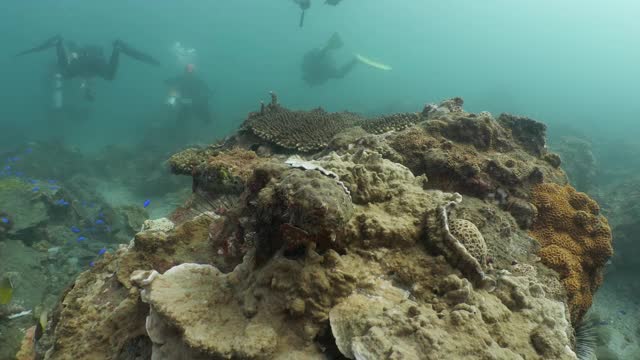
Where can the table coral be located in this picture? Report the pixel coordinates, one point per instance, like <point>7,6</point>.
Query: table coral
<point>575,241</point>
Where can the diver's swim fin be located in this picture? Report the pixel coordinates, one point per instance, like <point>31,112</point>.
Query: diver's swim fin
<point>52,42</point>
<point>372,63</point>
<point>136,54</point>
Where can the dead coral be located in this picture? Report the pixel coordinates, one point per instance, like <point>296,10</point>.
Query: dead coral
<point>529,133</point>
<point>475,155</point>
<point>265,313</point>
<point>216,171</point>
<point>311,203</point>
<point>185,161</point>
<point>369,177</point>
<point>384,318</point>
<point>102,313</point>
<point>575,241</point>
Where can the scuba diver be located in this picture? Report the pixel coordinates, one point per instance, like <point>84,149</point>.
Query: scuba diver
<point>318,66</point>
<point>304,6</point>
<point>86,62</point>
<point>190,95</point>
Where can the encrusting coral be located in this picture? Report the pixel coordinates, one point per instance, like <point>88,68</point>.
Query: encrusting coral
<point>575,241</point>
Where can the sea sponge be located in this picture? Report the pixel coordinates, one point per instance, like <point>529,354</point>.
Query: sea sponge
<point>575,241</point>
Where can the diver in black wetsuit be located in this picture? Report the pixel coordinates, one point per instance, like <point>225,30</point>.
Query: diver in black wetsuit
<point>304,6</point>
<point>88,61</point>
<point>189,95</point>
<point>318,66</point>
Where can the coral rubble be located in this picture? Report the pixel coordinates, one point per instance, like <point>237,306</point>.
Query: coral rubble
<point>404,238</point>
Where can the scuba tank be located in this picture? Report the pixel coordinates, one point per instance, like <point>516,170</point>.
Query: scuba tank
<point>57,91</point>
<point>173,98</point>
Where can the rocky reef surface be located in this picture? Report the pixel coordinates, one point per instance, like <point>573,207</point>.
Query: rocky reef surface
<point>57,218</point>
<point>440,234</point>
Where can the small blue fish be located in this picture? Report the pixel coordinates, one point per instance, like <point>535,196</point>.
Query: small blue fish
<point>28,151</point>
<point>36,189</point>
<point>15,158</point>
<point>81,238</point>
<point>33,181</point>
<point>52,181</point>
<point>102,251</point>
<point>92,264</point>
<point>62,202</point>
<point>7,168</point>
<point>75,230</point>
<point>99,222</point>
<point>19,174</point>
<point>54,188</point>
<point>146,203</point>
<point>4,220</point>
<point>101,215</point>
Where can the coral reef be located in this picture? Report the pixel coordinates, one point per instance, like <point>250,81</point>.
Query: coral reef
<point>27,349</point>
<point>575,241</point>
<point>475,154</point>
<point>307,203</point>
<point>404,238</point>
<point>214,171</point>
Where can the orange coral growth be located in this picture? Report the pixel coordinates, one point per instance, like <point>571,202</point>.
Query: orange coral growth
<point>575,241</point>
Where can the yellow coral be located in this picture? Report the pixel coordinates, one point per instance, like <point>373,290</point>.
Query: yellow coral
<point>575,241</point>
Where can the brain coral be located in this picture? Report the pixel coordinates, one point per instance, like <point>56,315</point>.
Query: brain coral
<point>469,235</point>
<point>575,241</point>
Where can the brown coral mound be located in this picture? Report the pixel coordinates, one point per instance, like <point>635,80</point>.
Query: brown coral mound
<point>575,241</point>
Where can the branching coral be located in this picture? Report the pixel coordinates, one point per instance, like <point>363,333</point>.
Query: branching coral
<point>575,241</point>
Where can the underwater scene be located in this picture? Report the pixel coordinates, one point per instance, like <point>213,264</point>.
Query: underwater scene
<point>320,179</point>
